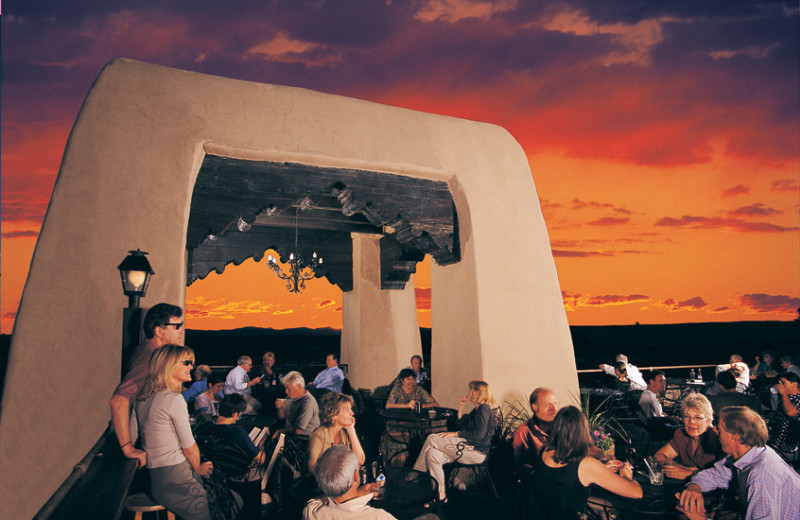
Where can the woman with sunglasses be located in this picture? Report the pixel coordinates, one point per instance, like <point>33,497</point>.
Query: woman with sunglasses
<point>173,457</point>
<point>695,446</point>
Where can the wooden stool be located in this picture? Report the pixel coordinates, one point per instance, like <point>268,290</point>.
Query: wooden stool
<point>141,503</point>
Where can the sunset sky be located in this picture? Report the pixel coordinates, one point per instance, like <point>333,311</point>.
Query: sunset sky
<point>663,137</point>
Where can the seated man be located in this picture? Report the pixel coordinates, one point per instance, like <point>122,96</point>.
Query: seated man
<point>624,381</point>
<point>329,380</point>
<point>338,478</point>
<point>648,402</point>
<point>729,396</point>
<point>301,410</point>
<point>743,376</point>
<point>407,394</point>
<point>239,382</point>
<point>632,372</point>
<point>199,386</point>
<point>767,486</point>
<point>530,436</point>
<point>421,376</point>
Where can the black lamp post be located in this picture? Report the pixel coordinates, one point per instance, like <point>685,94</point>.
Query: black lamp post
<point>135,272</point>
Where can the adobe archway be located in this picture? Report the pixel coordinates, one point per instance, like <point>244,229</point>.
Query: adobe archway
<point>126,181</point>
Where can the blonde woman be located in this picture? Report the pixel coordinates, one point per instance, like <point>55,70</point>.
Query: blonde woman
<point>474,436</point>
<point>338,427</point>
<point>694,447</point>
<point>173,457</point>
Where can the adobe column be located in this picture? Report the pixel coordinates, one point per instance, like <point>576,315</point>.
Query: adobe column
<point>380,331</point>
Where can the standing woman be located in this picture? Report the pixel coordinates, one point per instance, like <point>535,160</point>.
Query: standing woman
<point>338,427</point>
<point>565,469</point>
<point>173,457</point>
<point>469,444</point>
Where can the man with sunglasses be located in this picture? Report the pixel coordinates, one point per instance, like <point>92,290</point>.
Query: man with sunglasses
<point>163,325</point>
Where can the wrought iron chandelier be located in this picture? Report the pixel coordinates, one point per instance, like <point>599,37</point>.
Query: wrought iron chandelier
<point>298,271</point>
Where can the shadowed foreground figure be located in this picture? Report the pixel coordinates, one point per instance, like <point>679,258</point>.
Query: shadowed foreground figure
<point>337,476</point>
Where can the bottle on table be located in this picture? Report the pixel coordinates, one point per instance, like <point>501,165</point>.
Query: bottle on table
<point>699,375</point>
<point>691,375</point>
<point>380,477</point>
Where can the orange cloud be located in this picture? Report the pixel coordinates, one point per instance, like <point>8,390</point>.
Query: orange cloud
<point>785,185</point>
<point>573,301</point>
<point>423,295</point>
<point>758,209</point>
<point>732,224</point>
<point>453,11</point>
<point>735,191</point>
<point>608,221</point>
<point>761,303</point>
<point>20,234</point>
<point>692,304</point>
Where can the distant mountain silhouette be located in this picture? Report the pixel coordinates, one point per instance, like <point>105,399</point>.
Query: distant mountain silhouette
<point>645,345</point>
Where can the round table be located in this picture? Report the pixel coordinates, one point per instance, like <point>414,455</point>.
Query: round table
<point>405,430</point>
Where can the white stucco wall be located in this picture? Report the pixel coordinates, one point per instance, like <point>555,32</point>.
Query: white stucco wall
<point>126,181</point>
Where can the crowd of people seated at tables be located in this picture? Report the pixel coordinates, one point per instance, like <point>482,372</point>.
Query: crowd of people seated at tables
<point>556,458</point>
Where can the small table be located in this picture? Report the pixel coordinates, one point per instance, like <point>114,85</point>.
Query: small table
<point>656,501</point>
<point>407,492</point>
<point>405,430</point>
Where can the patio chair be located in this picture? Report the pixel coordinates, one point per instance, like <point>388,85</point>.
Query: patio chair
<point>478,473</point>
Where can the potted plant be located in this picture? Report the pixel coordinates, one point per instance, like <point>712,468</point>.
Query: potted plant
<point>604,427</point>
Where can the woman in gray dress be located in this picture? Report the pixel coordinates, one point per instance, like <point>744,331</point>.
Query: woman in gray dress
<point>173,457</point>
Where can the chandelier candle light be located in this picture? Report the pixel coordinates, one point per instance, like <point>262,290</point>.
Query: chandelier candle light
<point>298,271</point>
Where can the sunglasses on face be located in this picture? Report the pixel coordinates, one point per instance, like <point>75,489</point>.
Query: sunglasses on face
<point>176,325</point>
<point>187,363</point>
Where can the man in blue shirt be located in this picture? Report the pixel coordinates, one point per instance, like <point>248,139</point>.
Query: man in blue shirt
<point>199,386</point>
<point>767,486</point>
<point>330,379</point>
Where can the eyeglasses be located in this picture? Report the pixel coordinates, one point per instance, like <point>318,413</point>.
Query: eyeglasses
<point>696,418</point>
<point>187,363</point>
<point>176,325</point>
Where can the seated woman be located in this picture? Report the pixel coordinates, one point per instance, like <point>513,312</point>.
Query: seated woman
<point>788,418</point>
<point>407,394</point>
<point>695,446</point>
<point>469,444</point>
<point>173,457</point>
<point>565,469</point>
<point>337,427</point>
<point>206,404</point>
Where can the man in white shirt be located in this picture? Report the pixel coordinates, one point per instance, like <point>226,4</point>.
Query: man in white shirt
<point>634,375</point>
<point>337,477</point>
<point>238,382</point>
<point>656,385</point>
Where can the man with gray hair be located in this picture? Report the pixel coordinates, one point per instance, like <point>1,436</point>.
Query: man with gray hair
<point>766,485</point>
<point>337,476</point>
<point>239,382</point>
<point>300,410</point>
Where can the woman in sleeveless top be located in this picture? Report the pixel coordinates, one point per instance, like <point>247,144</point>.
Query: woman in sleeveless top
<point>565,469</point>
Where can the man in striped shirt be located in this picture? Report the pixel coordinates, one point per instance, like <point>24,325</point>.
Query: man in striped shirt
<point>766,485</point>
